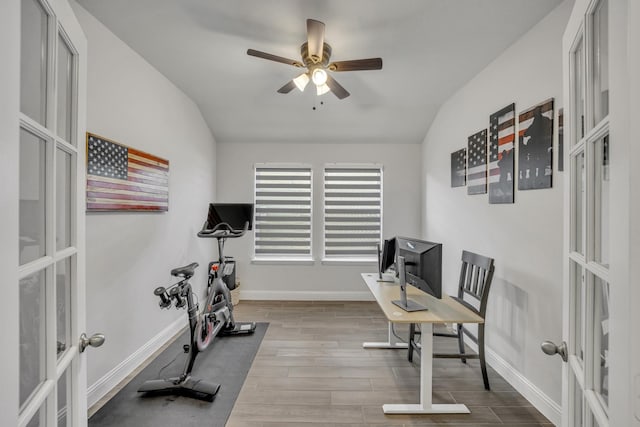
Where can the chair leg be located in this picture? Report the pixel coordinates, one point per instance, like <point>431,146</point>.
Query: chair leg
<point>461,343</point>
<point>412,333</point>
<point>483,364</point>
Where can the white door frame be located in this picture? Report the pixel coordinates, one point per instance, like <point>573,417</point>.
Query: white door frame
<point>625,231</point>
<point>9,196</point>
<point>624,270</point>
<point>10,119</point>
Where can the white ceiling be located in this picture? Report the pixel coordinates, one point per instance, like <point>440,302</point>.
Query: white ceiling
<point>429,48</point>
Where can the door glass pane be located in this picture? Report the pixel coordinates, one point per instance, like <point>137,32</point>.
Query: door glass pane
<point>63,304</point>
<point>577,402</point>
<point>33,61</point>
<point>65,79</point>
<point>578,203</point>
<point>578,90</point>
<point>64,399</point>
<point>601,198</point>
<point>601,340</point>
<point>32,317</point>
<point>579,301</point>
<point>37,419</point>
<point>32,197</point>
<point>63,199</point>
<point>601,61</point>
<point>593,421</point>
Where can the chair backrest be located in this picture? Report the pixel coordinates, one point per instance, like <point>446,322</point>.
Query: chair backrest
<point>476,274</point>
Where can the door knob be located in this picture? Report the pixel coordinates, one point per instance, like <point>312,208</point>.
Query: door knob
<point>96,340</point>
<point>550,348</point>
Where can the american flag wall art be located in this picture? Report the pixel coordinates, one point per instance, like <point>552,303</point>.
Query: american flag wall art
<point>459,168</point>
<point>501,154</point>
<point>535,144</point>
<point>477,169</point>
<point>120,178</point>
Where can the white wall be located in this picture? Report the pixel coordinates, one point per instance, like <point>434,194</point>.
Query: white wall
<point>525,238</point>
<point>129,254</point>
<point>401,212</point>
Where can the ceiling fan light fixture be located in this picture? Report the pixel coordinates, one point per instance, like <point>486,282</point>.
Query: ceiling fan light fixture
<point>319,77</point>
<point>316,56</point>
<point>322,89</point>
<point>301,81</point>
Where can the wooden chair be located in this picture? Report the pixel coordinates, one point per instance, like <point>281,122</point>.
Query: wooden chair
<point>476,274</point>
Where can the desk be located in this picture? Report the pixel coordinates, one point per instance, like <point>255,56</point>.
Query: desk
<point>445,310</point>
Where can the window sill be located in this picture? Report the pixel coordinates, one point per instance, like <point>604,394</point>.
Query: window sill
<point>280,261</point>
<point>350,261</point>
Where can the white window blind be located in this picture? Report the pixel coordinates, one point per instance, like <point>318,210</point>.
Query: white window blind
<point>282,212</point>
<point>352,212</point>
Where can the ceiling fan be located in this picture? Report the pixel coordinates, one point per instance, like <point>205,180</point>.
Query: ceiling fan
<point>315,57</point>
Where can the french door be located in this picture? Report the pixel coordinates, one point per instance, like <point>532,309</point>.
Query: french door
<point>587,240</point>
<point>46,274</point>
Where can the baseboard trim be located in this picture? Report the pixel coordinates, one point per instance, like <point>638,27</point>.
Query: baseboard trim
<point>305,296</point>
<point>543,403</point>
<point>111,379</point>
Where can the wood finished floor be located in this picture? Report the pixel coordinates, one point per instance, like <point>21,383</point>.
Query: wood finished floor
<point>312,371</point>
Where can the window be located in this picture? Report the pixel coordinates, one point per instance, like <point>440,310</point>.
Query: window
<point>352,212</point>
<point>282,212</point>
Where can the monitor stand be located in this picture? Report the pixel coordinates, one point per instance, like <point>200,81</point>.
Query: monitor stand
<point>410,306</point>
<point>386,278</point>
<point>403,302</point>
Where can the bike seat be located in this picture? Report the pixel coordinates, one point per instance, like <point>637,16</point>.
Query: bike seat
<point>186,271</point>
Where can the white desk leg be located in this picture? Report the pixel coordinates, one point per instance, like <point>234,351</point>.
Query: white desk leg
<point>392,342</point>
<point>426,375</point>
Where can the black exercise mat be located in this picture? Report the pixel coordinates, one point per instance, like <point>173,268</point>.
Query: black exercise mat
<point>226,361</point>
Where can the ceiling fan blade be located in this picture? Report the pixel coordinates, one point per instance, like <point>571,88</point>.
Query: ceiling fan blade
<point>315,39</point>
<point>270,57</point>
<point>287,88</point>
<point>336,88</point>
<point>357,65</point>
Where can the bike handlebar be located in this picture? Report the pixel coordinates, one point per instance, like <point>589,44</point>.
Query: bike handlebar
<point>222,231</point>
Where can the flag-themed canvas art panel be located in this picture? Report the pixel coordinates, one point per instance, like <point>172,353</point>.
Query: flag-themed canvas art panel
<point>459,168</point>
<point>120,178</point>
<point>501,159</point>
<point>477,159</point>
<point>535,145</point>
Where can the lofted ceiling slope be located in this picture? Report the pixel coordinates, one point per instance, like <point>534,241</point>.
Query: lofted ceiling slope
<point>430,48</point>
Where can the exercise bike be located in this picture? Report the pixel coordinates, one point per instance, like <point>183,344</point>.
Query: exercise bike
<point>216,317</point>
<point>218,291</point>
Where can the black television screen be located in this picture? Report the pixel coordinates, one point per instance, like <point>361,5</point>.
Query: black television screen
<point>423,263</point>
<point>234,214</point>
<point>388,257</point>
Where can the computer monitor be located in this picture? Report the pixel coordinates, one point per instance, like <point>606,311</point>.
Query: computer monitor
<point>386,258</point>
<point>423,263</point>
<point>234,214</point>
